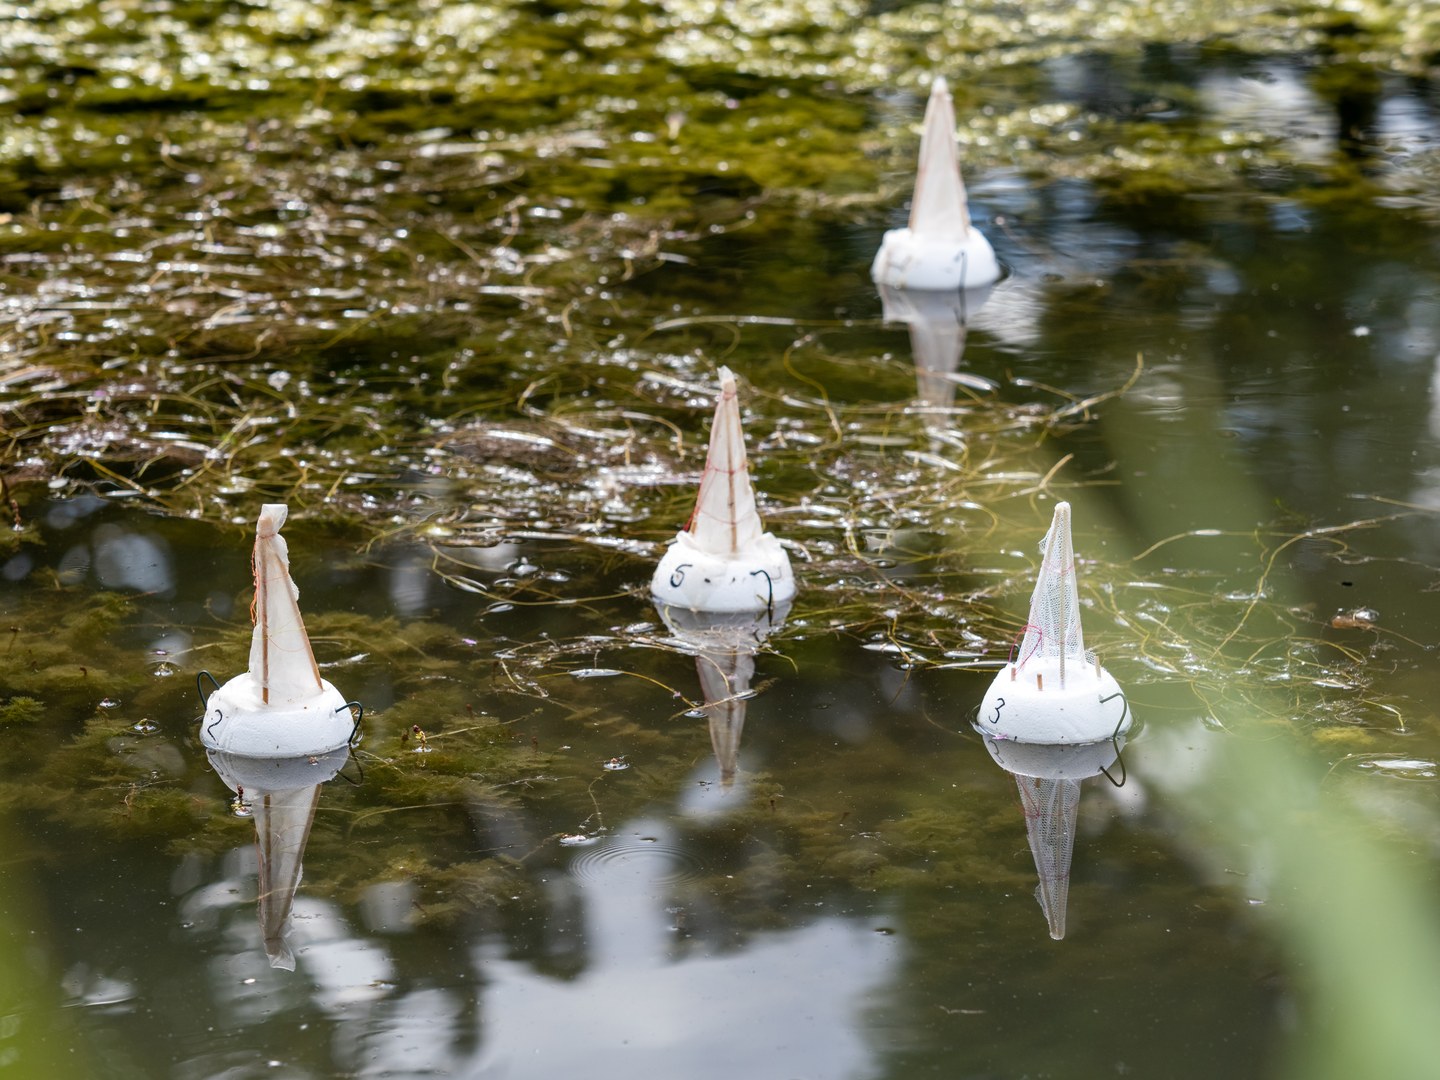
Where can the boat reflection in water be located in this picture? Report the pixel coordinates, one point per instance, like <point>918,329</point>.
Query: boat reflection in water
<point>938,323</point>
<point>724,644</point>
<point>281,794</point>
<point>1049,777</point>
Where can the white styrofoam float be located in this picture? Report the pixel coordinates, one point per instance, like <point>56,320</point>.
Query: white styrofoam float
<point>940,248</point>
<point>281,707</point>
<point>724,560</point>
<point>1053,691</point>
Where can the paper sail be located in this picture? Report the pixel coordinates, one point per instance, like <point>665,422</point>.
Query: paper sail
<point>281,707</point>
<point>1049,781</point>
<point>1053,690</point>
<point>282,794</point>
<point>938,323</point>
<point>940,249</point>
<point>725,645</point>
<point>724,560</point>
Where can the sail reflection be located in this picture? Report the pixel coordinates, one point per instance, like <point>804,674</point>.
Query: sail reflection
<point>282,794</point>
<point>725,644</point>
<point>938,324</point>
<point>1049,777</point>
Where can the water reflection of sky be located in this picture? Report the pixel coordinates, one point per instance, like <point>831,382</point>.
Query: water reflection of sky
<point>1311,348</point>
<point>643,992</point>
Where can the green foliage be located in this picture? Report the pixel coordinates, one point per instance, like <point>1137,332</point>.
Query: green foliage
<point>21,710</point>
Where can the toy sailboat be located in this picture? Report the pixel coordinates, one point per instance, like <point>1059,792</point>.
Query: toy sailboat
<point>724,560</point>
<point>938,323</point>
<point>725,647</point>
<point>1052,690</point>
<point>281,707</point>
<point>940,249</point>
<point>1049,781</point>
<point>282,794</point>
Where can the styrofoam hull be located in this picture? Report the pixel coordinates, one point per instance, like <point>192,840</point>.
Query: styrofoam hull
<point>238,721</point>
<point>1032,704</point>
<point>756,578</point>
<point>907,260</point>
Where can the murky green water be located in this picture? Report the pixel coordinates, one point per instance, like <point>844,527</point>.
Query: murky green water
<point>453,282</point>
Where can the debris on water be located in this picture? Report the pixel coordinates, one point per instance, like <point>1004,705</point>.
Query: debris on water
<point>596,673</point>
<point>1402,768</point>
<point>577,840</point>
<point>1355,619</point>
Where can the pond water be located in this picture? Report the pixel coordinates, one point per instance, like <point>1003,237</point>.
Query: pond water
<point>454,282</point>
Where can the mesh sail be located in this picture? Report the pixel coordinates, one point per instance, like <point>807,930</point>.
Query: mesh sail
<point>280,657</point>
<point>939,209</point>
<point>725,520</point>
<point>1053,632</point>
<point>1050,811</point>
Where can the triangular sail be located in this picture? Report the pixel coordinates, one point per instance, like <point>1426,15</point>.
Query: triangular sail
<point>725,520</point>
<point>1051,808</point>
<point>939,209</point>
<point>282,828</point>
<point>281,661</point>
<point>1053,631</point>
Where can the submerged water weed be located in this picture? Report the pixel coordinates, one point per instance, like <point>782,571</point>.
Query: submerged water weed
<point>472,314</point>
<point>205,309</point>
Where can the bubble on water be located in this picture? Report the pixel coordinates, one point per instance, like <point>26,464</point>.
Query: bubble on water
<point>616,764</point>
<point>109,703</point>
<point>145,726</point>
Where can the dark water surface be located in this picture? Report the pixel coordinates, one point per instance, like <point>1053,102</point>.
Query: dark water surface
<point>453,283</point>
